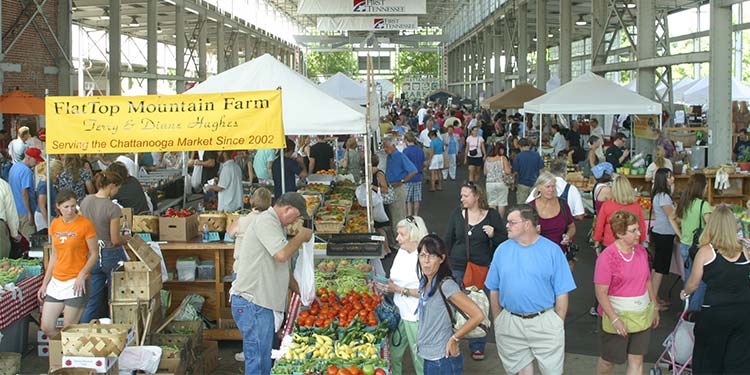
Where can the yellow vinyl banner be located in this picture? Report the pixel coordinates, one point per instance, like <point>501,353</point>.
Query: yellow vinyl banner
<point>120,124</point>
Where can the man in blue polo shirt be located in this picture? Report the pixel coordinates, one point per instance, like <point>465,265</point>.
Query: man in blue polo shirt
<point>527,165</point>
<point>398,171</point>
<point>529,281</point>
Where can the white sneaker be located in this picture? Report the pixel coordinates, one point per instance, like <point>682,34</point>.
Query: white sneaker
<point>239,357</point>
<point>592,312</point>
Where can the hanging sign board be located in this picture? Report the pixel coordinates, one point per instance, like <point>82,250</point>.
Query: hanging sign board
<point>367,23</point>
<point>121,124</point>
<point>646,127</point>
<point>351,7</point>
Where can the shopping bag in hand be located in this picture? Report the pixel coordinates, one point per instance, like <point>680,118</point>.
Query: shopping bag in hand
<point>304,273</point>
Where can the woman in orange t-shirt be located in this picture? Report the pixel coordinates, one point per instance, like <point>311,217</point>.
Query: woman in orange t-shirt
<point>73,253</point>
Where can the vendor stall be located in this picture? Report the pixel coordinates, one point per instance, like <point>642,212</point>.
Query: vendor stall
<point>513,98</point>
<point>591,94</point>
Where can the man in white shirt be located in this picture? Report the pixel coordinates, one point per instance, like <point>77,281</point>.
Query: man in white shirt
<point>9,216</point>
<point>128,162</point>
<point>559,168</point>
<point>18,146</point>
<point>424,137</point>
<point>558,141</point>
<point>421,113</point>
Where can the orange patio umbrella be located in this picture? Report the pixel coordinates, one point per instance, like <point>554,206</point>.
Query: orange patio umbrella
<point>21,103</point>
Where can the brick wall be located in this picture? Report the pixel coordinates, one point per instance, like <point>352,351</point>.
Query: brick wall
<point>29,51</point>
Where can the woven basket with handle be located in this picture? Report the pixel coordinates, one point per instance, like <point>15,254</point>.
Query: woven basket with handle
<point>94,339</point>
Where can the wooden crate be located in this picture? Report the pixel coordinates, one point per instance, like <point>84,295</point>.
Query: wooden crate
<point>145,224</point>
<point>185,342</point>
<point>143,252</point>
<point>143,316</point>
<point>181,328</point>
<point>136,282</point>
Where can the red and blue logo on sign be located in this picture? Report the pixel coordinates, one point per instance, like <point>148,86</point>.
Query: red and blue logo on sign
<point>360,6</point>
<point>379,23</point>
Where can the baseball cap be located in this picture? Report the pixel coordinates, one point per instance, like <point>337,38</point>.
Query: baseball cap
<point>600,169</point>
<point>35,153</point>
<point>295,200</point>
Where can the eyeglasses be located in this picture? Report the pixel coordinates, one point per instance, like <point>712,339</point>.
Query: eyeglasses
<point>512,223</point>
<point>636,230</point>
<point>427,256</point>
<point>412,220</point>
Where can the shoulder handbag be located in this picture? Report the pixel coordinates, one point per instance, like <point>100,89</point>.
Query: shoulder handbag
<point>459,317</point>
<point>475,274</point>
<point>388,314</point>
<point>651,241</point>
<point>508,179</point>
<point>390,196</point>
<point>475,151</point>
<point>696,234</point>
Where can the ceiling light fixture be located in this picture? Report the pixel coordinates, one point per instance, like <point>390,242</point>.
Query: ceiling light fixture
<point>550,35</point>
<point>208,42</point>
<point>73,6</point>
<point>580,21</point>
<point>630,5</point>
<point>105,16</point>
<point>134,22</point>
<point>158,29</point>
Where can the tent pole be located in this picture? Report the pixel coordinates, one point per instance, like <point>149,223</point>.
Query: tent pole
<point>541,116</point>
<point>283,177</point>
<point>49,194</point>
<point>368,167</point>
<point>187,186</point>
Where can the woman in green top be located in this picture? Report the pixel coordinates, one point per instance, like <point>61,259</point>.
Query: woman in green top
<point>692,212</point>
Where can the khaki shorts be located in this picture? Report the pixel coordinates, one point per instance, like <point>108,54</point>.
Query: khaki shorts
<point>615,348</point>
<point>521,341</point>
<point>497,194</point>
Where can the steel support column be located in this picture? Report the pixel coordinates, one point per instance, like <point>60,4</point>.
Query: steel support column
<point>151,42</point>
<point>541,44</point>
<point>115,48</point>
<point>64,20</point>
<point>498,83</point>
<point>202,50</point>
<point>566,37</point>
<point>646,48</point>
<point>221,57</point>
<point>523,43</point>
<point>719,92</point>
<point>489,40</point>
<point>179,18</point>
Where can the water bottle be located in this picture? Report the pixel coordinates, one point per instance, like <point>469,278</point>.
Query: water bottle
<point>125,229</point>
<point>206,232</point>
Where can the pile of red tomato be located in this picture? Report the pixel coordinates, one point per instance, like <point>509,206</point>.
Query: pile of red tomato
<point>354,370</point>
<point>328,307</point>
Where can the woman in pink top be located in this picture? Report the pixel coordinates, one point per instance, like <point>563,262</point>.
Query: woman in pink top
<point>623,287</point>
<point>623,198</point>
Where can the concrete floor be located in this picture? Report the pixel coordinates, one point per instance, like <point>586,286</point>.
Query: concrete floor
<point>581,328</point>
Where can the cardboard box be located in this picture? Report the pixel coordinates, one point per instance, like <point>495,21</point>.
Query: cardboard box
<point>171,366</point>
<point>42,350</point>
<point>178,229</point>
<point>55,351</point>
<point>98,364</point>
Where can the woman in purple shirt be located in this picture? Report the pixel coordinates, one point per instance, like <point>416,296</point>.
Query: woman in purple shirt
<point>555,219</point>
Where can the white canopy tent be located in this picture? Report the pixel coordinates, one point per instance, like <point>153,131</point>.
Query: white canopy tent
<point>346,89</point>
<point>307,110</point>
<point>697,94</point>
<point>591,94</point>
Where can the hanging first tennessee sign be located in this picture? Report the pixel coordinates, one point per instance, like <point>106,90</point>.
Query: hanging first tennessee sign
<point>120,124</point>
<point>367,23</point>
<point>344,7</point>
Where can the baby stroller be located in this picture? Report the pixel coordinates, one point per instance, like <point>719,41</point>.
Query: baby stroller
<point>678,346</point>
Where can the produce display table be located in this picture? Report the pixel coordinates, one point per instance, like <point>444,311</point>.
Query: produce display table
<point>738,193</point>
<point>18,304</point>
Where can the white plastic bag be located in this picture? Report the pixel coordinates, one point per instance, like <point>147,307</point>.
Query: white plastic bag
<point>144,358</point>
<point>196,177</point>
<point>304,273</point>
<point>378,210</point>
